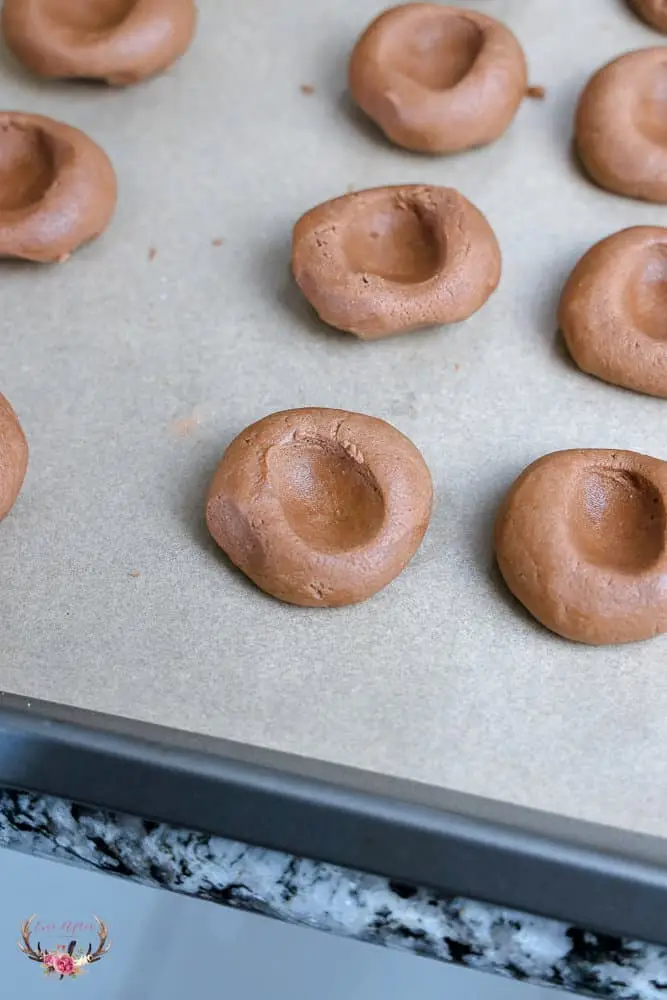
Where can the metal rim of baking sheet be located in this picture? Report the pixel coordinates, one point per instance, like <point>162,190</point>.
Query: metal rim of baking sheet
<point>599,878</point>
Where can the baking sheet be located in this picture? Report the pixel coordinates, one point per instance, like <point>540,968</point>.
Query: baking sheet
<point>131,375</point>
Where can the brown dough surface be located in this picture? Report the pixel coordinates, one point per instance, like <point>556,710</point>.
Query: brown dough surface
<point>57,188</point>
<point>320,507</point>
<point>613,310</point>
<point>620,127</point>
<point>120,41</point>
<point>654,12</point>
<point>580,541</point>
<point>393,259</point>
<point>13,457</point>
<point>438,79</point>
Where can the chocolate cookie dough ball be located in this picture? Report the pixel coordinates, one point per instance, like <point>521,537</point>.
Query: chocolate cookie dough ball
<point>438,79</point>
<point>654,12</point>
<point>13,457</point>
<point>620,128</point>
<point>119,41</point>
<point>613,310</point>
<point>580,541</point>
<point>57,188</point>
<point>320,507</point>
<point>394,259</point>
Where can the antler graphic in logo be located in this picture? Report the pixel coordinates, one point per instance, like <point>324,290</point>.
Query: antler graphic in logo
<point>70,961</point>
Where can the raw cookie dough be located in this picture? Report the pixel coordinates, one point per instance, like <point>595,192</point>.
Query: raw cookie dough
<point>613,310</point>
<point>438,79</point>
<point>119,41</point>
<point>320,507</point>
<point>57,188</point>
<point>620,127</point>
<point>580,541</point>
<point>654,12</point>
<point>393,259</point>
<point>13,457</point>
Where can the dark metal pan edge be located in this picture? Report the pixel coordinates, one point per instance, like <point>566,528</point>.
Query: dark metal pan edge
<point>601,879</point>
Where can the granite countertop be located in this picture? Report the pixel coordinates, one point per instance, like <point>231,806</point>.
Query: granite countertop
<point>350,903</point>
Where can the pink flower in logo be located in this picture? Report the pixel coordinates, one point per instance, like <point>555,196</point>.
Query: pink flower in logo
<point>64,964</point>
<point>60,962</point>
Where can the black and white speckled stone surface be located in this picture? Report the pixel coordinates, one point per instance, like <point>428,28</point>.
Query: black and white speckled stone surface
<point>333,899</point>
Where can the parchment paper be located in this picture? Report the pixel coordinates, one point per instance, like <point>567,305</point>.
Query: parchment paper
<point>131,376</point>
